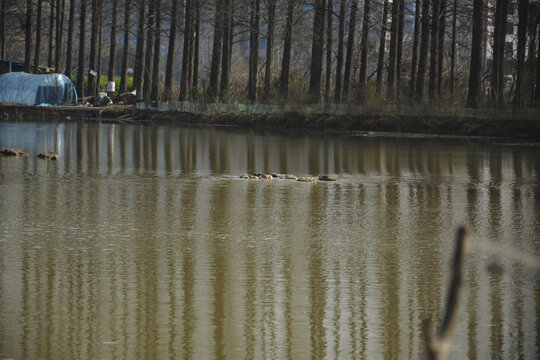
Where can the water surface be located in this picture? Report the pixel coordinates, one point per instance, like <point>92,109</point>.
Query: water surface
<point>142,243</point>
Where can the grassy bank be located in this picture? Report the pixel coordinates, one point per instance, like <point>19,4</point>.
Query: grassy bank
<point>453,125</point>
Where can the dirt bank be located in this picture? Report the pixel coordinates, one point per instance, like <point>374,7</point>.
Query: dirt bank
<point>454,126</point>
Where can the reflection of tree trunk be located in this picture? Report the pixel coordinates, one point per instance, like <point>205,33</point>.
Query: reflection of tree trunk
<point>170,54</point>
<point>125,52</point>
<point>476,54</point>
<point>149,55</point>
<point>286,59</point>
<point>253,50</point>
<point>80,60</point>
<point>69,50</point>
<point>154,96</point>
<point>328,82</point>
<point>317,45</point>
<point>350,48</point>
<point>414,59</point>
<point>28,37</point>
<point>112,51</point>
<point>213,85</point>
<point>38,36</point>
<point>424,48</point>
<point>382,47</point>
<point>139,52</point>
<point>522,39</point>
<point>364,45</point>
<point>341,45</point>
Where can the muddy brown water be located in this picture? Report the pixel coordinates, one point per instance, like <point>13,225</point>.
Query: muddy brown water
<point>142,242</point>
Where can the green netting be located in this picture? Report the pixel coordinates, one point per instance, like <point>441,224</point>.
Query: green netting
<point>343,109</point>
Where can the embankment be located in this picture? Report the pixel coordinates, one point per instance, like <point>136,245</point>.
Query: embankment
<point>526,128</point>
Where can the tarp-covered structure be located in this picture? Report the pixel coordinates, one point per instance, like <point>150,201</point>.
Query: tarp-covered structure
<point>29,89</point>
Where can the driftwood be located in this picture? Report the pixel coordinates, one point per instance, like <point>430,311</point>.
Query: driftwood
<point>438,345</point>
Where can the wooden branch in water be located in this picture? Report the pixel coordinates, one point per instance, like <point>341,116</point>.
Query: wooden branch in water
<point>438,345</point>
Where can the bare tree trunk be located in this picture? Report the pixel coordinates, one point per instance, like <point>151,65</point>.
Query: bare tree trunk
<point>28,37</point>
<point>434,56</point>
<point>350,49</point>
<point>125,52</point>
<point>497,75</point>
<point>225,58</point>
<point>328,82</point>
<point>533,24</point>
<point>364,45</point>
<point>154,95</point>
<point>184,78</point>
<point>59,34</point>
<point>382,47</point>
<point>69,50</point>
<point>392,54</point>
<point>453,51</point>
<point>473,96</point>
<point>3,30</point>
<point>341,49</point>
<point>38,37</point>
<point>285,61</point>
<point>99,57</point>
<point>213,86</point>
<point>167,93</point>
<point>93,48</point>
<point>196,44</point>
<point>537,91</point>
<point>52,21</point>
<point>522,40</point>
<point>424,48</point>
<point>414,60</point>
<point>253,50</point>
<point>139,52</point>
<point>80,60</point>
<point>269,45</point>
<point>399,56</point>
<point>112,51</point>
<point>442,33</point>
<point>317,46</point>
<point>149,52</point>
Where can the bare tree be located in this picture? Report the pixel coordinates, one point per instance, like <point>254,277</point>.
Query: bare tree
<point>414,60</point>
<point>139,51</point>
<point>473,96</point>
<point>341,44</point>
<point>38,36</point>
<point>382,47</point>
<point>271,10</point>
<point>329,29</point>
<point>286,59</point>
<point>424,48</point>
<point>69,49</point>
<point>80,60</point>
<point>364,45</point>
<point>112,51</point>
<point>28,37</point>
<point>350,48</point>
<point>125,51</point>
<point>317,46</point>
<point>255,10</point>
<point>522,40</point>
<point>213,85</point>
<point>167,94</point>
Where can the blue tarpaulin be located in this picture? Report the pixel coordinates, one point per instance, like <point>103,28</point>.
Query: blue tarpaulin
<point>29,89</point>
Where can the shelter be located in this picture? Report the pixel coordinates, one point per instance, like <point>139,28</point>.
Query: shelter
<point>29,89</point>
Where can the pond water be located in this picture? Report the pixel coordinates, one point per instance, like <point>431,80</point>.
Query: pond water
<point>142,242</point>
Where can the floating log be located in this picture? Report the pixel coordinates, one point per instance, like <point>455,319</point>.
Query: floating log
<point>48,156</point>
<point>12,152</point>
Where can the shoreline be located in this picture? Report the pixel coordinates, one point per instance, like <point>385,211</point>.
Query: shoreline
<point>405,125</point>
